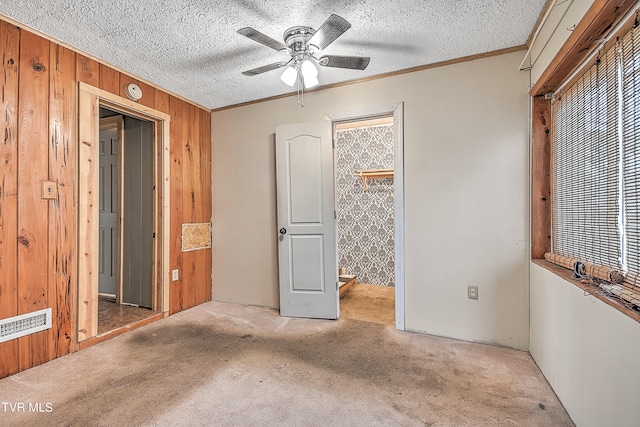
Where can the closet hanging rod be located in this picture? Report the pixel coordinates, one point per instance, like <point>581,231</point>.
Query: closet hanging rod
<point>365,175</point>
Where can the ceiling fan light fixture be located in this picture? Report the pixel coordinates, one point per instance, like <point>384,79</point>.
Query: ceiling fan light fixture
<point>309,74</point>
<point>289,76</point>
<point>308,69</point>
<point>310,81</point>
<point>302,43</point>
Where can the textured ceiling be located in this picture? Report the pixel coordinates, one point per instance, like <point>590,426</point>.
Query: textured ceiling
<point>191,47</point>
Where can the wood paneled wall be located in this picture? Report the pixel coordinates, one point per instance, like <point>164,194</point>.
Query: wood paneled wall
<point>38,237</point>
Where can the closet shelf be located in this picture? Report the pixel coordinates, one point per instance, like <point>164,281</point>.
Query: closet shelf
<point>365,175</point>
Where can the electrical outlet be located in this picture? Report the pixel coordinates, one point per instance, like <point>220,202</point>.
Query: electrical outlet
<point>174,275</point>
<point>472,292</point>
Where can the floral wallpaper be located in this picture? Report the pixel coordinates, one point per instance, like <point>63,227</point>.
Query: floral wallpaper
<point>365,218</point>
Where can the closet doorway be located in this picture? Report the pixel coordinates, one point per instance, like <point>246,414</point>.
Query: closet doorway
<point>370,214</point>
<point>125,282</point>
<point>123,214</point>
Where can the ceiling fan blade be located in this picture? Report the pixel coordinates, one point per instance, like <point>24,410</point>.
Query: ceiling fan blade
<point>332,28</point>
<point>262,38</point>
<point>264,69</point>
<point>351,62</point>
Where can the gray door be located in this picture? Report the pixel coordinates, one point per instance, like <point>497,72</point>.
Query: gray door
<point>108,227</point>
<point>308,266</point>
<point>138,227</point>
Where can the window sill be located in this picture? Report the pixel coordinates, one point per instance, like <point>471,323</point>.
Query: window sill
<point>567,275</point>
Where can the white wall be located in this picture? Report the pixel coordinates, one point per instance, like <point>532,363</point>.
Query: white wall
<point>466,186</point>
<point>587,350</point>
<point>556,30</point>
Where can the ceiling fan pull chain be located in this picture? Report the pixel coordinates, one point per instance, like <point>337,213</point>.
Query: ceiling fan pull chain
<point>300,89</point>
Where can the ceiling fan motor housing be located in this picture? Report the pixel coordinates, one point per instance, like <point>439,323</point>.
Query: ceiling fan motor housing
<point>296,38</point>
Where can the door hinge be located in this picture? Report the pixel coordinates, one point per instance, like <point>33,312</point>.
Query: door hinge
<point>337,285</point>
<point>333,143</point>
<point>335,214</point>
<point>154,234</point>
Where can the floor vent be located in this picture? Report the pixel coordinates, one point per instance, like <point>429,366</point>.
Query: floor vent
<point>25,324</point>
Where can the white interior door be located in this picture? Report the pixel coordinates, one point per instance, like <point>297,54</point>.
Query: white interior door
<point>308,266</point>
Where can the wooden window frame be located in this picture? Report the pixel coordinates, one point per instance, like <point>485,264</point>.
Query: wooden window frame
<point>90,99</point>
<point>602,16</point>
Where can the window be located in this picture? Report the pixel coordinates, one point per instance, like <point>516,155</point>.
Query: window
<point>631,148</point>
<point>595,170</point>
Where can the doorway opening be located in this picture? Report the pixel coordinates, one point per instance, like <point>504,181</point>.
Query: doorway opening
<point>125,282</point>
<point>365,219</point>
<point>123,215</point>
<point>370,213</point>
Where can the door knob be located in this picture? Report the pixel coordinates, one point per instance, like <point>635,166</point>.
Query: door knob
<point>283,231</point>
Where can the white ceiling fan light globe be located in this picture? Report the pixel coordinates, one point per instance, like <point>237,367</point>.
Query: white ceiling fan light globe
<point>309,74</point>
<point>308,69</point>
<point>310,81</point>
<point>289,76</point>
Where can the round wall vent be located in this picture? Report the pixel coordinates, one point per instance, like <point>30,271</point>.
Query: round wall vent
<point>133,91</point>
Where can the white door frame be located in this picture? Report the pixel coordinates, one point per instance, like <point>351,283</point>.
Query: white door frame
<point>397,111</point>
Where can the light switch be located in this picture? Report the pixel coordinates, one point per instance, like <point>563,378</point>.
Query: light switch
<point>49,190</point>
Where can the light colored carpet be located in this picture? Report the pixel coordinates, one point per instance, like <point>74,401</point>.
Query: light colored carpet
<point>232,365</point>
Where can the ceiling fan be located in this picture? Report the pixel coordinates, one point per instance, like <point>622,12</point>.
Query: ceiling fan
<point>303,43</point>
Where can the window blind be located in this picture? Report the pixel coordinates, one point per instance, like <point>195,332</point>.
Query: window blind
<point>585,175</point>
<point>630,47</point>
<point>595,171</point>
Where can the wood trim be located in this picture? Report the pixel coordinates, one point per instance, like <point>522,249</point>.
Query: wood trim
<point>346,286</point>
<point>131,108</point>
<point>156,277</point>
<point>162,126</point>
<point>121,330</point>
<point>383,76</point>
<point>91,98</point>
<point>602,16</point>
<point>88,215</point>
<point>541,177</point>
